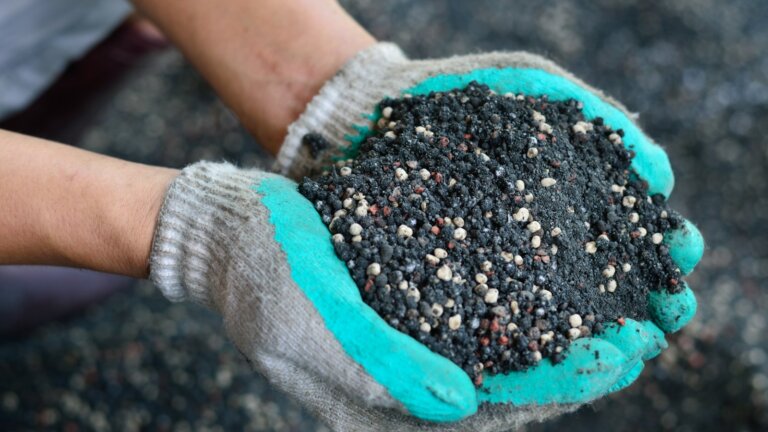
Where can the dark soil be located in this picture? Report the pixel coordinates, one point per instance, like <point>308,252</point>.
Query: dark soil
<point>447,166</point>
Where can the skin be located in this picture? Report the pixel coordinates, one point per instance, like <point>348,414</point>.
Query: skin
<point>266,59</point>
<point>66,206</point>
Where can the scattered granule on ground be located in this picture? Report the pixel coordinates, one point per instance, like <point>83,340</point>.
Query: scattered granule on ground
<point>496,229</point>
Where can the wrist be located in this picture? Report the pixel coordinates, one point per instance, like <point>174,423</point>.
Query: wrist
<point>116,217</point>
<point>265,59</point>
<point>341,106</point>
<point>335,40</point>
<point>134,219</point>
<point>75,208</point>
<point>293,69</point>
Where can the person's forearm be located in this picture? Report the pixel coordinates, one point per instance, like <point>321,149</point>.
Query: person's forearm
<point>64,206</point>
<point>265,58</point>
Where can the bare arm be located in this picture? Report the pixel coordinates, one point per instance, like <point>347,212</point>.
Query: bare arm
<point>265,58</point>
<point>65,206</point>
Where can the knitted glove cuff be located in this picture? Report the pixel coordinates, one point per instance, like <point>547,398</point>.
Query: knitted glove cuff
<point>203,207</point>
<point>353,91</point>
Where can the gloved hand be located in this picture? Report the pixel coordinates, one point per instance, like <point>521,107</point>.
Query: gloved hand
<point>246,244</point>
<point>344,112</point>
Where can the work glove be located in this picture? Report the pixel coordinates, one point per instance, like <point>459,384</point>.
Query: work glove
<point>344,113</point>
<point>246,244</point>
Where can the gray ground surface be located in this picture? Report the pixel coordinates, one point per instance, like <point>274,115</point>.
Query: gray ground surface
<point>697,72</point>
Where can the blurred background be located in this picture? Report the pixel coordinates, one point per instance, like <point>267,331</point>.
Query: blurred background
<point>696,71</point>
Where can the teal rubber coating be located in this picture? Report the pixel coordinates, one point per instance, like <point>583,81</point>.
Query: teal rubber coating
<point>591,368</point>
<point>671,312</point>
<point>659,343</point>
<point>631,338</point>
<point>637,341</point>
<point>686,246</point>
<point>629,378</point>
<point>428,385</point>
<point>650,162</point>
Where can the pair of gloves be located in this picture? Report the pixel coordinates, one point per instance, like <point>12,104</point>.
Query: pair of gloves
<point>247,244</point>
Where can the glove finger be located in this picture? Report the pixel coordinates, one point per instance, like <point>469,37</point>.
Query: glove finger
<point>636,339</point>
<point>686,246</point>
<point>650,162</point>
<point>427,385</point>
<point>631,338</point>
<point>657,343</point>
<point>671,312</point>
<point>590,369</point>
<point>629,378</point>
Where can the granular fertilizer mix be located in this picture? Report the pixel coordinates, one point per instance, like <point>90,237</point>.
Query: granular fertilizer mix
<point>495,229</point>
